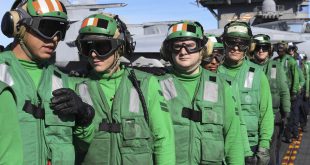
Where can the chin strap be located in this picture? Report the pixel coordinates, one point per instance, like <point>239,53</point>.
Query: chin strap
<point>25,49</point>
<point>115,64</point>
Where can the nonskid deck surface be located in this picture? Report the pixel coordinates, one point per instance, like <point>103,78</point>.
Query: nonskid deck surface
<point>297,152</point>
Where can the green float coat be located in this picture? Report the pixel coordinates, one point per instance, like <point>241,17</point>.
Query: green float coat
<point>291,70</point>
<point>11,151</point>
<point>216,137</point>
<point>137,142</point>
<point>302,80</point>
<point>256,101</point>
<point>44,139</point>
<point>306,72</point>
<point>278,86</point>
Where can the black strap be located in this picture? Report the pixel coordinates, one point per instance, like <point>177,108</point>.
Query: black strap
<point>136,84</point>
<point>191,114</point>
<point>37,112</point>
<point>110,127</point>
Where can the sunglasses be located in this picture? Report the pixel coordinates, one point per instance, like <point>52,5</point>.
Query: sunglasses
<point>264,48</point>
<point>192,47</point>
<point>48,28</point>
<point>103,48</point>
<point>241,44</point>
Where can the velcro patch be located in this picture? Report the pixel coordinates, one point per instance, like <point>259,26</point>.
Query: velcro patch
<point>237,29</point>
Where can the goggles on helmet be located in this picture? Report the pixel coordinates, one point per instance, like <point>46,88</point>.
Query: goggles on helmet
<point>102,47</point>
<point>291,49</point>
<point>280,47</point>
<point>231,43</point>
<point>48,27</point>
<point>264,48</point>
<point>191,47</point>
<point>218,54</point>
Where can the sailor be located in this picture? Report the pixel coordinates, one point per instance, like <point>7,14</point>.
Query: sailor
<point>291,70</point>
<point>303,72</point>
<point>132,121</point>
<point>212,62</point>
<point>279,90</point>
<point>207,129</point>
<point>254,90</point>
<point>304,93</point>
<point>48,111</point>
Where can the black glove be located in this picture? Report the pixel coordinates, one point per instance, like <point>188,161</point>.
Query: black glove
<point>263,156</point>
<point>293,96</point>
<point>67,102</point>
<point>306,98</point>
<point>250,160</point>
<point>284,118</point>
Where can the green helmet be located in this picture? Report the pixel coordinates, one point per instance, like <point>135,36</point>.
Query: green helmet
<point>104,29</point>
<point>46,8</point>
<point>47,18</point>
<point>237,29</point>
<point>282,45</point>
<point>262,39</point>
<point>185,29</point>
<point>100,24</point>
<point>217,43</point>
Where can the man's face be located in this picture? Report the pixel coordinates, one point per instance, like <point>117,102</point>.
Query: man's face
<point>262,52</point>
<point>291,51</point>
<point>40,48</point>
<point>235,49</point>
<point>212,62</point>
<point>181,56</point>
<point>281,50</point>
<point>101,64</point>
<point>100,50</point>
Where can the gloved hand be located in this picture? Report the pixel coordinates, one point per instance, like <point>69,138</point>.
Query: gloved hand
<point>250,160</point>
<point>306,97</point>
<point>67,102</point>
<point>263,156</point>
<point>293,96</point>
<point>284,118</point>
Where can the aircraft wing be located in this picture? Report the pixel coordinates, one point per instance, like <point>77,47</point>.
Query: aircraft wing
<point>149,43</point>
<point>275,35</point>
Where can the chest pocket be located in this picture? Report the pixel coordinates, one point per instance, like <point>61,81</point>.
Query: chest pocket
<point>250,110</point>
<point>136,139</point>
<point>274,88</point>
<point>212,141</point>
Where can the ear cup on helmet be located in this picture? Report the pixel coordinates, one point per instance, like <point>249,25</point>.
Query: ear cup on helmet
<point>209,46</point>
<point>130,44</point>
<point>9,23</point>
<point>164,51</point>
<point>271,50</point>
<point>252,46</point>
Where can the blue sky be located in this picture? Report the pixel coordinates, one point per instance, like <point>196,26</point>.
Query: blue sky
<point>140,11</point>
